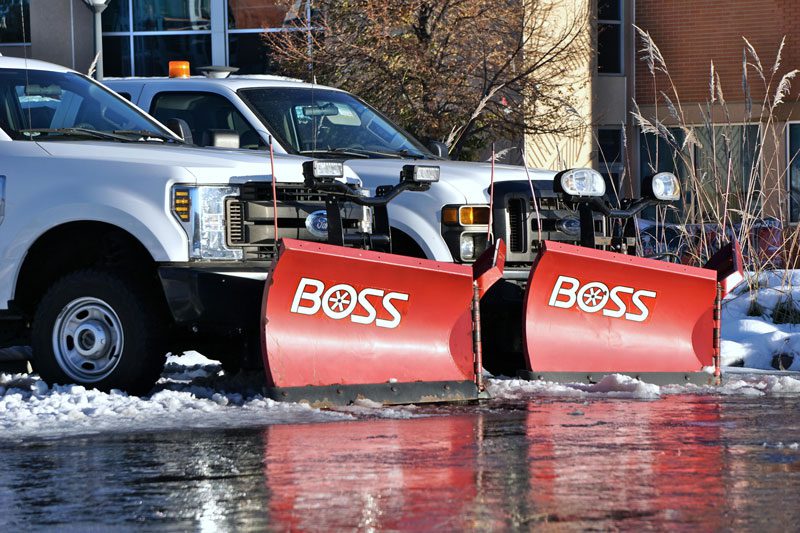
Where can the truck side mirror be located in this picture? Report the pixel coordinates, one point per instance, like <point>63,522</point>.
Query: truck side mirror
<point>439,149</point>
<point>180,127</point>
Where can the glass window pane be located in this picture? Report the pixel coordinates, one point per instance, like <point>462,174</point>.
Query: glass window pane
<point>609,48</point>
<point>116,17</point>
<point>116,56</point>
<point>610,143</point>
<point>794,172</point>
<point>205,113</point>
<point>152,54</point>
<point>250,54</point>
<point>252,14</point>
<point>171,15</point>
<point>609,9</point>
<point>12,13</point>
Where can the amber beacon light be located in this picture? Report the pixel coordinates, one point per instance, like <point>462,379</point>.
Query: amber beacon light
<point>178,69</point>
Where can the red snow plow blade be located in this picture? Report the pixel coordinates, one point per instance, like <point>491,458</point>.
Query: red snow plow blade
<point>342,324</point>
<point>589,313</point>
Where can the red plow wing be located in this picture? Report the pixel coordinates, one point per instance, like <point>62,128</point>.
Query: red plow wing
<point>341,324</point>
<point>590,313</point>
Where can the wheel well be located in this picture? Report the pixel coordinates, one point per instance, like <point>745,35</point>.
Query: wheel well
<point>74,246</point>
<point>403,244</point>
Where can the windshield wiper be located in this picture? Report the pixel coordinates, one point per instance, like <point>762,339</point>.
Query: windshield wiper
<point>77,132</point>
<point>147,135</point>
<point>357,152</point>
<point>335,151</point>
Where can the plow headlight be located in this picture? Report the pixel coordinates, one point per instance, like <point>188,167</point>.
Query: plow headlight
<point>664,186</point>
<point>316,172</point>
<point>420,173</point>
<point>580,182</point>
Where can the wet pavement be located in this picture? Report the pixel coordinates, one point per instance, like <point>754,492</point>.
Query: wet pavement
<point>685,462</point>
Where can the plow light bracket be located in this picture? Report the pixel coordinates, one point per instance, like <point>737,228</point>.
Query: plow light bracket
<point>663,186</point>
<point>421,176</point>
<point>580,183</point>
<point>318,172</point>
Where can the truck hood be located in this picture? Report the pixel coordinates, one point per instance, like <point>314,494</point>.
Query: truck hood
<point>468,178</point>
<point>206,165</point>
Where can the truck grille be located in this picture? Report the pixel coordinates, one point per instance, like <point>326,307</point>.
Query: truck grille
<point>520,227</point>
<point>516,225</point>
<point>250,217</point>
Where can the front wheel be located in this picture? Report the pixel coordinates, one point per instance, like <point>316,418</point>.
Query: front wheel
<point>100,330</point>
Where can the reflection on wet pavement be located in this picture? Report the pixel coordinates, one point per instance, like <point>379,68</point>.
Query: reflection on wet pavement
<point>685,462</point>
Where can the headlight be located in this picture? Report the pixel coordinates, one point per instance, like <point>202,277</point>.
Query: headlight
<point>471,245</point>
<point>201,213</point>
<point>664,186</point>
<point>580,182</point>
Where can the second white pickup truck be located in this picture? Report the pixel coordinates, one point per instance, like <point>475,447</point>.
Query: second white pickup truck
<point>450,222</point>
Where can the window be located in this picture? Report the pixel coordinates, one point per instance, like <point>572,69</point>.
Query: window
<point>715,150</point>
<point>609,36</point>
<point>142,36</point>
<point>611,158</point>
<point>793,165</point>
<point>205,113</point>
<point>38,99</point>
<point>12,29</point>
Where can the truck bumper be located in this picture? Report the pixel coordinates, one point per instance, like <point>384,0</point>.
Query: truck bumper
<point>214,297</point>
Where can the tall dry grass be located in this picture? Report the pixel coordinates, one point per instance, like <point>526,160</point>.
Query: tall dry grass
<point>718,190</point>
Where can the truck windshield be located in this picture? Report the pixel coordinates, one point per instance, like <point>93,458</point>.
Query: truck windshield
<point>44,105</point>
<point>321,122</point>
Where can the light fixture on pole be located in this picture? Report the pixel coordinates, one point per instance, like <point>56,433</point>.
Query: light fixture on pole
<point>97,6</point>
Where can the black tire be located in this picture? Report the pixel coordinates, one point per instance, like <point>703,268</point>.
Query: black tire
<point>101,330</point>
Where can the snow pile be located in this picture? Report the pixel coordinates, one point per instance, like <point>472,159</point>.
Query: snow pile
<point>755,341</point>
<point>191,394</point>
<point>737,382</point>
<point>611,386</point>
<point>29,407</point>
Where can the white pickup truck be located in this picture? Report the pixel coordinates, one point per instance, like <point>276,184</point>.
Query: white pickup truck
<point>119,242</point>
<point>447,223</point>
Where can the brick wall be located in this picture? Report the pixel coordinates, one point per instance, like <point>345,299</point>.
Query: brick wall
<point>690,33</point>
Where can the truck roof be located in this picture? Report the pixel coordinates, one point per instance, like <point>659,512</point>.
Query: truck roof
<point>232,82</point>
<point>31,64</point>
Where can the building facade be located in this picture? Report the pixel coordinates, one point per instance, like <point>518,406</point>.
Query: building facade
<point>762,151</point>
<point>140,37</point>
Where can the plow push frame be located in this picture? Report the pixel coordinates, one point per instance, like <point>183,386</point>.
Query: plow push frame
<point>341,325</point>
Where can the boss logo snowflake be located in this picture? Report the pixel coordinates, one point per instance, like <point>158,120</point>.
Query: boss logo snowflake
<point>341,301</point>
<point>595,296</point>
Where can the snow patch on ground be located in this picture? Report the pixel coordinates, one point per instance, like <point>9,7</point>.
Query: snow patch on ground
<point>191,394</point>
<point>738,383</point>
<point>611,386</point>
<point>754,340</point>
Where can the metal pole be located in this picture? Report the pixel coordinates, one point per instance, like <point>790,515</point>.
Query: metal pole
<point>98,44</point>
